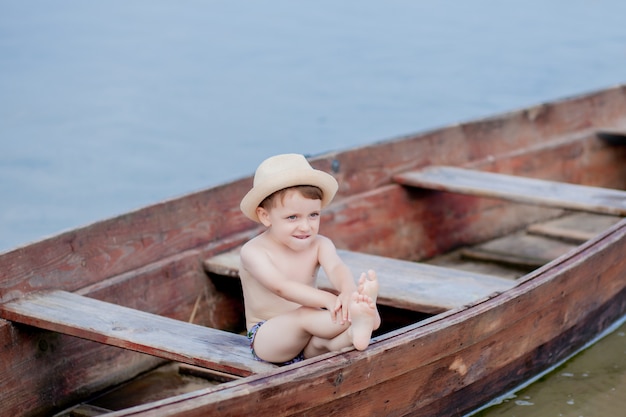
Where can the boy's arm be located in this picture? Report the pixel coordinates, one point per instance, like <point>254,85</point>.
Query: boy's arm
<point>264,271</point>
<point>338,273</point>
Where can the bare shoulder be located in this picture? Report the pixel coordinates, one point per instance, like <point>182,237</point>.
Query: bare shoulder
<point>327,252</point>
<point>249,246</point>
<point>251,250</point>
<point>325,243</point>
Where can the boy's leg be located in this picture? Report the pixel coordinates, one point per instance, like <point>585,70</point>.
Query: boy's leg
<point>283,337</point>
<point>363,320</point>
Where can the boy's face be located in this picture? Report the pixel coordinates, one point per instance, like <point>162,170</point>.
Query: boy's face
<point>294,221</point>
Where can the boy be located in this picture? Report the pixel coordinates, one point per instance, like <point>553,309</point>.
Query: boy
<point>287,317</point>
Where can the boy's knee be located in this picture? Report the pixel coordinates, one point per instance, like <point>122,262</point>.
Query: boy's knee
<point>316,346</point>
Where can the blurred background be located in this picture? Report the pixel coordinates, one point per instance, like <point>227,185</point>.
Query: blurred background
<point>109,106</point>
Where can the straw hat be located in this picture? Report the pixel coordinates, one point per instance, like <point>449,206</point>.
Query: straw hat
<point>283,171</point>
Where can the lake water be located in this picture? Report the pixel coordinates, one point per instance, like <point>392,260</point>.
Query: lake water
<point>592,383</point>
<point>110,106</point>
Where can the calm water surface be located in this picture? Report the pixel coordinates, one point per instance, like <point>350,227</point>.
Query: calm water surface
<point>592,383</point>
<point>110,106</point>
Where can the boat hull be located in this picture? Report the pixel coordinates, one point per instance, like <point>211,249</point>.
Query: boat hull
<point>151,260</point>
<point>451,363</point>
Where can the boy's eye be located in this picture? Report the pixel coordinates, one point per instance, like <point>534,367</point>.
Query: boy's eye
<point>314,215</point>
<point>292,217</point>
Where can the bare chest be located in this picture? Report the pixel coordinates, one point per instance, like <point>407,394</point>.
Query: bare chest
<point>299,267</point>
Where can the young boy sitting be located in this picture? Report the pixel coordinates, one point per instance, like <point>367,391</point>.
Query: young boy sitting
<point>288,318</point>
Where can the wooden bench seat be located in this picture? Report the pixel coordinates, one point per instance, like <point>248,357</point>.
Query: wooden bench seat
<point>111,324</point>
<point>403,284</point>
<point>520,189</point>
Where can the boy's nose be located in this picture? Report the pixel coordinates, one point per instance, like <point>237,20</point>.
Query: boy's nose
<point>305,224</point>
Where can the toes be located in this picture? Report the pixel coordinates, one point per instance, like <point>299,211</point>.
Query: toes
<point>371,275</point>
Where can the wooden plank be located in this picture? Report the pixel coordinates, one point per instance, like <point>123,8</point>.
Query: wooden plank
<point>403,284</point>
<point>520,249</point>
<point>422,287</point>
<point>513,257</point>
<point>520,189</point>
<point>456,260</point>
<point>111,324</point>
<point>577,228</point>
<point>226,264</point>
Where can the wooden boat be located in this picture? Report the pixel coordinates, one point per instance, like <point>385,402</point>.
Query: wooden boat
<point>499,245</point>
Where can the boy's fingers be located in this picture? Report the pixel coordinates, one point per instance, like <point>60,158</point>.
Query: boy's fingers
<point>333,315</point>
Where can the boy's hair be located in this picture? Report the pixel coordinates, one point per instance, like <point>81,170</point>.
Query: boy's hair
<point>307,191</point>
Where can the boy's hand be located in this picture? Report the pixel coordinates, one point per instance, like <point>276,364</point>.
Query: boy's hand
<point>341,310</point>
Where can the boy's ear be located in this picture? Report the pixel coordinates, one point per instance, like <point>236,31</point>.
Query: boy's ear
<point>264,216</point>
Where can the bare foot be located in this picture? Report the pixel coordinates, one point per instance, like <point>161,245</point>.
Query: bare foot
<point>368,284</point>
<point>364,317</point>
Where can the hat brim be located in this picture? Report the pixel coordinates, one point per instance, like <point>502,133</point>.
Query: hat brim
<point>326,182</point>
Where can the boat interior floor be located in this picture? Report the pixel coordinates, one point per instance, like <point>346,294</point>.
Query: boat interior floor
<point>165,381</point>
<point>515,255</point>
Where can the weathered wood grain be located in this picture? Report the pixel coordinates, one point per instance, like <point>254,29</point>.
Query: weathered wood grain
<point>519,249</point>
<point>520,189</point>
<point>576,228</point>
<point>127,328</point>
